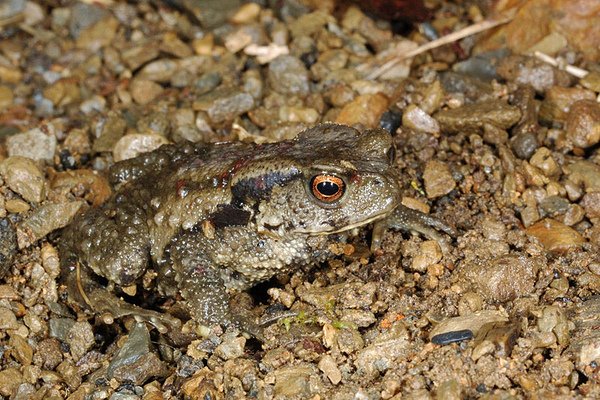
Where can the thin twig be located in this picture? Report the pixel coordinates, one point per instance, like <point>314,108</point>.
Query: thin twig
<point>452,37</point>
<point>571,69</point>
<point>13,19</point>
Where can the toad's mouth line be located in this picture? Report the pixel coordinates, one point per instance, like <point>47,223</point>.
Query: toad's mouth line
<point>348,227</point>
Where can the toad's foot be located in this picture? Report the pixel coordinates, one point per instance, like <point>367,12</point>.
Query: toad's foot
<point>110,307</point>
<point>403,218</point>
<point>87,293</point>
<point>207,301</point>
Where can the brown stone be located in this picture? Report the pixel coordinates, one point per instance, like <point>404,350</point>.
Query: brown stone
<point>577,20</point>
<point>591,204</point>
<point>438,179</point>
<point>583,123</point>
<point>366,110</point>
<point>556,237</point>
<point>559,100</point>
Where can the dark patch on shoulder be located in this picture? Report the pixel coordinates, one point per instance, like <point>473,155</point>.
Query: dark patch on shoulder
<point>260,187</point>
<point>229,215</point>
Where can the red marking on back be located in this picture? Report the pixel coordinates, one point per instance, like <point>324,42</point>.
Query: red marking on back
<point>237,165</point>
<point>225,176</point>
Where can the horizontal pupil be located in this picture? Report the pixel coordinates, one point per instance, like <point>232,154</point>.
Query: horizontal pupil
<point>328,188</point>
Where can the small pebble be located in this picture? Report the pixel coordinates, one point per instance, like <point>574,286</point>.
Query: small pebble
<point>224,104</point>
<point>80,339</point>
<point>366,109</point>
<point>20,349</point>
<point>452,337</point>
<point>8,320</point>
<point>585,173</point>
<point>158,71</point>
<point>527,70</point>
<point>583,123</point>
<point>111,129</point>
<point>45,219</point>
<point>16,206</point>
<point>98,35</point>
<point>466,326</point>
<point>429,253</point>
<point>232,347</point>
<point>555,236</point>
<point>246,14</point>
<point>137,56</point>
<point>449,390</point>
<point>288,75</point>
<point>558,102</point>
<point>83,15</point>
<point>59,328</point>
<point>145,91</point>
<point>473,117</point>
<point>591,81</point>
<point>390,121</point>
<point>381,354</point>
<point>23,176</point>
<point>339,95</point>
<point>37,144</point>
<point>469,303</point>
<point>503,278</point>
<point>524,145</point>
<point>171,44</point>
<point>296,114</point>
<point>330,369</point>
<point>134,144</point>
<point>574,215</point>
<point>135,361</point>
<point>6,97</point>
<point>295,381</point>
<point>554,320</point>
<point>310,23</point>
<point>591,204</point>
<point>48,354</point>
<point>10,379</point>
<point>544,160</point>
<point>438,179</point>
<point>360,318</point>
<point>69,373</point>
<point>417,119</point>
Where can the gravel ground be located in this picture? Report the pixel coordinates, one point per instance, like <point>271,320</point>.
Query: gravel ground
<point>496,143</point>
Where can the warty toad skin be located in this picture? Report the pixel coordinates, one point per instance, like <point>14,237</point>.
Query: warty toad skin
<point>211,218</point>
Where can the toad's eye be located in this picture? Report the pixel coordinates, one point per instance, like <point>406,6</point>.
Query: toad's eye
<point>327,188</point>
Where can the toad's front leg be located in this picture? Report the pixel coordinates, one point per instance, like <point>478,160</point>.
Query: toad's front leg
<point>404,218</point>
<point>198,278</point>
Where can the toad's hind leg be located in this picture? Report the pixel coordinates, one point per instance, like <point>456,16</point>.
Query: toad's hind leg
<point>108,243</point>
<point>83,289</point>
<point>112,242</point>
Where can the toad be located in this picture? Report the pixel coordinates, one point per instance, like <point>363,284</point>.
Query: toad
<point>206,219</point>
